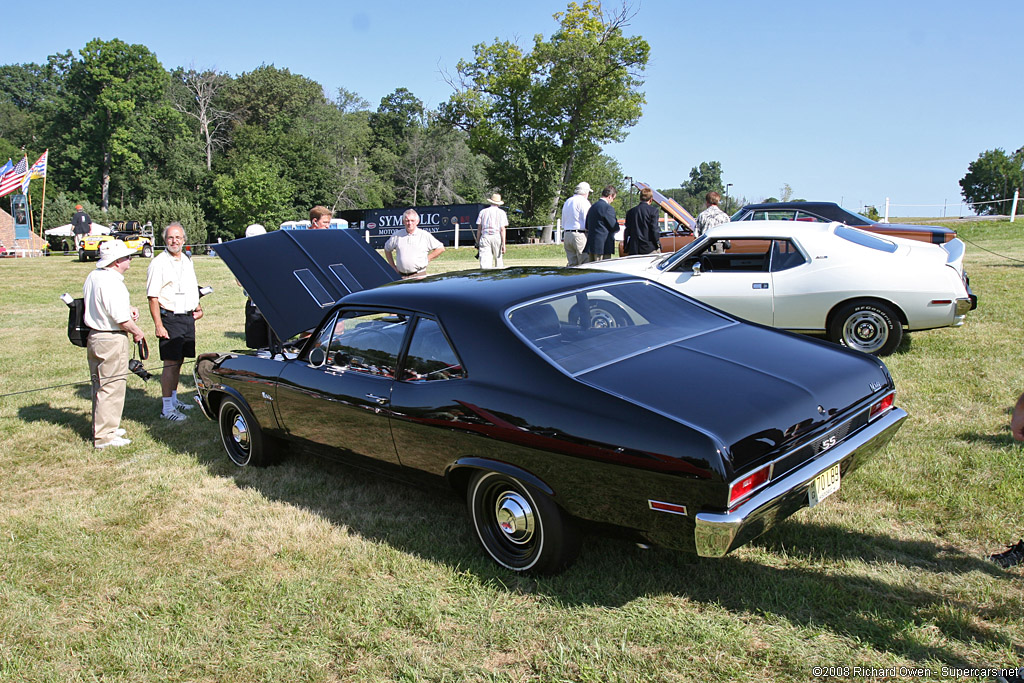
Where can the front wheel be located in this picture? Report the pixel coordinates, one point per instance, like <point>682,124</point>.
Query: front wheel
<point>242,436</point>
<point>870,327</point>
<point>81,253</point>
<point>519,527</point>
<point>603,315</point>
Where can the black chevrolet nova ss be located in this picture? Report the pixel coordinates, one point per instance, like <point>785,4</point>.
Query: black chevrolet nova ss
<point>552,399</point>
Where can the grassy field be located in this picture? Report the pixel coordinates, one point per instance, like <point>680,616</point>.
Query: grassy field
<point>163,562</point>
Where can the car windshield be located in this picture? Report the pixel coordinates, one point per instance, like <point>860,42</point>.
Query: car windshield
<point>865,239</point>
<point>624,320</point>
<point>670,260</point>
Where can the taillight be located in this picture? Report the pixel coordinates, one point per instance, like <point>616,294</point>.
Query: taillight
<point>742,488</point>
<point>882,407</point>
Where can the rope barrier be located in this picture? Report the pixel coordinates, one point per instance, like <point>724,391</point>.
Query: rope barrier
<point>994,253</point>
<point>86,382</point>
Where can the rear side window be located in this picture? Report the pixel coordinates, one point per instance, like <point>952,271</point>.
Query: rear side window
<point>430,357</point>
<point>865,239</point>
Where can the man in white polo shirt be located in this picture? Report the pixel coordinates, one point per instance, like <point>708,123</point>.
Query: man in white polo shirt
<point>490,234</point>
<point>111,319</point>
<point>173,293</point>
<point>574,224</point>
<point>409,252</point>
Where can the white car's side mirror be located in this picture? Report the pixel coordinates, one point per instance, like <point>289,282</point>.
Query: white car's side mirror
<point>696,268</point>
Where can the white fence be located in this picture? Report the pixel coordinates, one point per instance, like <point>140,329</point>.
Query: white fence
<point>969,205</point>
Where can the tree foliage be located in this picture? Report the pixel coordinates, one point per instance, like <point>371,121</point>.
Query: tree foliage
<point>112,118</point>
<point>993,176</point>
<point>126,135</point>
<point>536,115</point>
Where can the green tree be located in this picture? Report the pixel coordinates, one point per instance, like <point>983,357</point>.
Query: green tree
<point>253,192</point>
<point>28,95</point>
<point>537,114</point>
<point>112,109</point>
<point>993,177</point>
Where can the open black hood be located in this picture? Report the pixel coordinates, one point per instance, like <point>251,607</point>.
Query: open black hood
<point>294,276</point>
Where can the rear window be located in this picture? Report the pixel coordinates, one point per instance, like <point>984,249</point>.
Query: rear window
<point>865,239</point>
<point>623,320</point>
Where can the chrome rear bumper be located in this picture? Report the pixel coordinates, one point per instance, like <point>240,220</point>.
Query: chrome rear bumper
<point>718,533</point>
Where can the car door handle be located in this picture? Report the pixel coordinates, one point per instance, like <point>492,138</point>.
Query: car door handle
<point>378,399</point>
<point>759,285</point>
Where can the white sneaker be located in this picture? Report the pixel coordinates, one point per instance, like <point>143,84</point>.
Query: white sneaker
<point>182,406</point>
<point>120,431</point>
<point>116,442</point>
<point>174,416</point>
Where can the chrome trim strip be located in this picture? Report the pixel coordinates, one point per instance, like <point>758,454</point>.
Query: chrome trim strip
<point>715,534</point>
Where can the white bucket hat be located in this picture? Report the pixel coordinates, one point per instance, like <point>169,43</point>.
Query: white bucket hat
<point>495,199</point>
<point>111,251</point>
<point>583,188</point>
<point>255,229</point>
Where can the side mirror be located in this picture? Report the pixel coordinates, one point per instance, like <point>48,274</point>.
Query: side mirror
<point>317,357</point>
<point>696,269</point>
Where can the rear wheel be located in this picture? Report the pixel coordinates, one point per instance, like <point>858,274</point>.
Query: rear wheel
<point>81,253</point>
<point>519,527</point>
<point>242,436</point>
<point>147,251</point>
<point>870,327</point>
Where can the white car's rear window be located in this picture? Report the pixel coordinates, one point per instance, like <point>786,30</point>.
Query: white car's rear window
<point>865,239</point>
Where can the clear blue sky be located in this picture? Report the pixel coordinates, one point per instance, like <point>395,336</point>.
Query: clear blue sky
<point>849,102</point>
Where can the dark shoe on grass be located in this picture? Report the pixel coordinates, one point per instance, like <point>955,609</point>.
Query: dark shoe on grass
<point>1013,555</point>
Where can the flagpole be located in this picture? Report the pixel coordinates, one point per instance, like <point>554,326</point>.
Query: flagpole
<point>31,221</point>
<point>42,209</point>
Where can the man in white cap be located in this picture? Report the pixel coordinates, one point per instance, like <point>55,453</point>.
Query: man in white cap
<point>490,233</point>
<point>574,224</point>
<point>111,318</point>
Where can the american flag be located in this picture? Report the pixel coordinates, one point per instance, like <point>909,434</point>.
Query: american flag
<point>12,180</point>
<point>38,170</point>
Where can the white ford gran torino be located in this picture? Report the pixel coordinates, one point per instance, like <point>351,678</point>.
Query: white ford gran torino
<point>858,288</point>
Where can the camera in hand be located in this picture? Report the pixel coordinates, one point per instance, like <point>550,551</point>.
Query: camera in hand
<point>136,367</point>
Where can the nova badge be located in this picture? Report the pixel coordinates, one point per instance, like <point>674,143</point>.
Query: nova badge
<point>267,396</point>
<point>874,386</point>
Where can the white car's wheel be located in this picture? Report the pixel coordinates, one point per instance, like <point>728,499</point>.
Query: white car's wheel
<point>870,327</point>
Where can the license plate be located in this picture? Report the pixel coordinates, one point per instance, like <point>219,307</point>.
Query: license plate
<point>825,484</point>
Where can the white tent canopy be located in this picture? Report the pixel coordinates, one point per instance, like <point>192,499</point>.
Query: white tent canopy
<point>67,231</point>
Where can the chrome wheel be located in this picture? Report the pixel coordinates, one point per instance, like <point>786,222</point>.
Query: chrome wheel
<point>869,327</point>
<point>243,439</point>
<point>865,331</point>
<point>519,527</point>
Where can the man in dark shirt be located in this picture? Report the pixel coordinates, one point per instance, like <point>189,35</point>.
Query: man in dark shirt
<point>81,225</point>
<point>601,227</point>
<point>642,234</point>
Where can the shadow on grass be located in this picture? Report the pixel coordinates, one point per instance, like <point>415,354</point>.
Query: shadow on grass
<point>816,588</point>
<point>1001,440</point>
<point>80,421</point>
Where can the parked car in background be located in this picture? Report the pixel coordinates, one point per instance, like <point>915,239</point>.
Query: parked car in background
<point>860,289</point>
<point>828,212</point>
<point>680,425</point>
<point>137,237</point>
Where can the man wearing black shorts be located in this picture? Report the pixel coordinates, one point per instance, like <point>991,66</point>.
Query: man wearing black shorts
<point>173,293</point>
